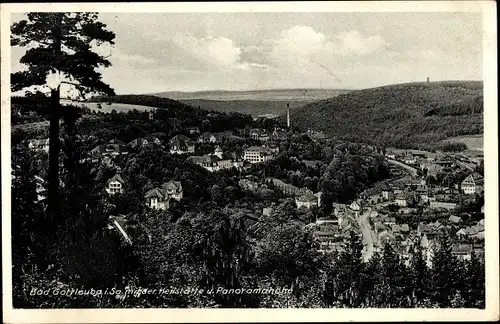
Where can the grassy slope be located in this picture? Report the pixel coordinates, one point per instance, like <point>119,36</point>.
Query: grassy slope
<point>403,115</point>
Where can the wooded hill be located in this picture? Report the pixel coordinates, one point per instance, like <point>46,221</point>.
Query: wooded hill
<point>412,115</point>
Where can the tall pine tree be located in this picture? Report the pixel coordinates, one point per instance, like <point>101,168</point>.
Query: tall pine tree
<point>60,53</point>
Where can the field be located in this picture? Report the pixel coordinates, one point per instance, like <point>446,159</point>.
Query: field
<point>473,142</point>
<point>105,108</point>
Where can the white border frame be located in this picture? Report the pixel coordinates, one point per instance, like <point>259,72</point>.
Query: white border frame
<point>491,312</point>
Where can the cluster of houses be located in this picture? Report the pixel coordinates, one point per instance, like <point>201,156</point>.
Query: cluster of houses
<point>389,203</point>
<point>332,232</point>
<point>156,198</point>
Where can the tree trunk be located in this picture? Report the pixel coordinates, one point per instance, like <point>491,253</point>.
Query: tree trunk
<point>54,148</point>
<point>54,145</point>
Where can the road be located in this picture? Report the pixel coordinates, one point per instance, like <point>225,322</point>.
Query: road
<point>369,236</point>
<point>413,171</point>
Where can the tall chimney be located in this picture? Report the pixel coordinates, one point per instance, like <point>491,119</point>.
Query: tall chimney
<point>288,115</point>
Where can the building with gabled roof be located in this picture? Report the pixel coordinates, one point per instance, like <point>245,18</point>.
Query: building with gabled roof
<point>159,198</point>
<point>39,144</point>
<point>181,144</point>
<point>307,200</point>
<point>143,142</point>
<point>472,184</point>
<point>115,184</point>
<point>112,149</point>
<point>207,138</point>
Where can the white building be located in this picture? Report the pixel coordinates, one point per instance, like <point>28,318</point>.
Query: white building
<point>115,184</point>
<point>472,184</point>
<point>258,154</point>
<point>39,144</point>
<point>159,198</point>
<point>217,161</point>
<point>308,200</point>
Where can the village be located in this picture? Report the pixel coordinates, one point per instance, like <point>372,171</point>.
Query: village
<point>411,207</point>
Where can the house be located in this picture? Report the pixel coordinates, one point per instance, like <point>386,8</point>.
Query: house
<point>389,221</point>
<point>409,158</point>
<point>454,219</point>
<point>307,200</point>
<point>193,130</point>
<point>143,142</point>
<point>115,184</point>
<point>181,144</point>
<point>159,198</point>
<point>462,251</point>
<point>258,154</point>
<point>478,249</point>
<point>355,206</point>
<point>386,193</point>
<point>432,168</point>
<point>407,210</point>
<point>40,188</point>
<point>259,134</point>
<point>441,204</point>
<point>372,195</point>
<point>266,211</point>
<point>173,189</point>
<point>207,138</point>
<point>398,229</point>
<point>431,229</point>
<point>423,193</point>
<point>472,184</point>
<point>39,144</point>
<point>222,136</point>
<point>390,155</point>
<point>112,149</point>
<point>401,200</point>
<point>339,209</point>
<point>217,161</point>
<point>327,221</point>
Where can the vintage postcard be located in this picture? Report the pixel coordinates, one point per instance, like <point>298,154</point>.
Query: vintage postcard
<point>249,161</point>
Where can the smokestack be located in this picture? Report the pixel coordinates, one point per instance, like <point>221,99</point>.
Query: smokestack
<point>288,115</point>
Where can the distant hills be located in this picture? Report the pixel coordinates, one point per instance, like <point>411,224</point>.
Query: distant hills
<point>412,115</point>
<point>270,103</point>
<point>256,95</point>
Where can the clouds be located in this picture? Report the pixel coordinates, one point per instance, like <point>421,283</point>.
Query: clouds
<point>243,51</point>
<point>354,43</point>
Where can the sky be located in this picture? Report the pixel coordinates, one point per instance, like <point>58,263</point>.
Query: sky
<point>157,52</point>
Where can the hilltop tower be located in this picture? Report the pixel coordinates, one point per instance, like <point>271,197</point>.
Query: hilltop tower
<point>428,80</point>
<point>288,115</point>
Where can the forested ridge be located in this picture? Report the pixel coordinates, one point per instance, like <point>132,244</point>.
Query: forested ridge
<point>413,115</point>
